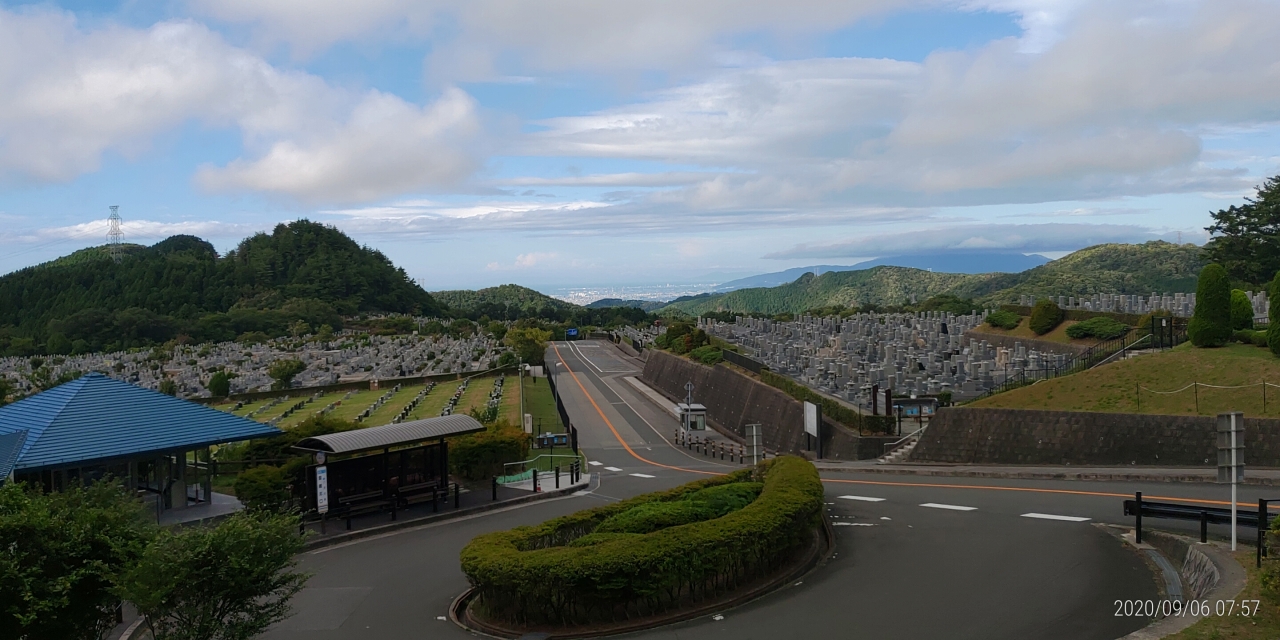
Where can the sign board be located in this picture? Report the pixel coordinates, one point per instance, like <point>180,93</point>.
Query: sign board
<point>811,419</point>
<point>1230,447</point>
<point>322,489</point>
<point>571,333</point>
<point>528,423</point>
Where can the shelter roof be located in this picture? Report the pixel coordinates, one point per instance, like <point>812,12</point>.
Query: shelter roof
<point>391,435</point>
<point>10,445</point>
<point>96,418</point>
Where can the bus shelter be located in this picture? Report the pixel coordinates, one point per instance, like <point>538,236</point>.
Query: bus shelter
<point>381,468</point>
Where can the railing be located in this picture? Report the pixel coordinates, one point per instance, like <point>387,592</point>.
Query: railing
<point>514,472</point>
<point>890,447</point>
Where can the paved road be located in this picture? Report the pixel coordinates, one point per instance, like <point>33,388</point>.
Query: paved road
<point>915,558</point>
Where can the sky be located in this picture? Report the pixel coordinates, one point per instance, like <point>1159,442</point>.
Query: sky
<point>584,143</point>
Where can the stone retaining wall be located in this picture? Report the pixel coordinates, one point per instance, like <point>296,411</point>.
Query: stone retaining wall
<point>1030,437</point>
<point>734,400</point>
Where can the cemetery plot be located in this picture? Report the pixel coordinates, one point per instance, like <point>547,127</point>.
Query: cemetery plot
<point>541,404</point>
<point>353,406</point>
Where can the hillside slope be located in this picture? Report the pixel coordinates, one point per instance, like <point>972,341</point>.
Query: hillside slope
<point>507,295</point>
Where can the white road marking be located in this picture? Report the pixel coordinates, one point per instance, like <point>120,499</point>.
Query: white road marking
<point>1049,516</point>
<point>852,524</point>
<point>953,507</point>
<point>641,475</point>
<point>594,463</point>
<point>862,498</point>
<point>885,518</point>
<point>612,469</point>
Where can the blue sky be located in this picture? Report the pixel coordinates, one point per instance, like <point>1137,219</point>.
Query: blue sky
<point>574,142</point>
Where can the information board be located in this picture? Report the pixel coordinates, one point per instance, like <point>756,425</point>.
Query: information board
<point>322,489</point>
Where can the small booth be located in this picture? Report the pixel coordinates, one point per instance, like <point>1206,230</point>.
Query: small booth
<point>693,417</point>
<point>382,468</point>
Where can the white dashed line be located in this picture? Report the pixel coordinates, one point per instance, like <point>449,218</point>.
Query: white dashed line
<point>862,498</point>
<point>641,475</point>
<point>953,507</point>
<point>852,524</point>
<point>612,469</point>
<point>594,463</point>
<point>1049,516</point>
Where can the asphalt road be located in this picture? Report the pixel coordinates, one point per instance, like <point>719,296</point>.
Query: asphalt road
<point>915,558</point>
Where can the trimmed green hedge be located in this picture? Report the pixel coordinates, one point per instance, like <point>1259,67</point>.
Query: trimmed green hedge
<point>1004,319</point>
<point>1100,328</point>
<point>563,572</point>
<point>481,455</point>
<point>1045,317</point>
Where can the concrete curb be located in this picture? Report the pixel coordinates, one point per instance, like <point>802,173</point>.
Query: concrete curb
<point>1117,476</point>
<point>826,546</point>
<point>328,541</point>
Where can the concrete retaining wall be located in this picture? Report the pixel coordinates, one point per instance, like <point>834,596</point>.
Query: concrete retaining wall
<point>734,400</point>
<point>1019,436</point>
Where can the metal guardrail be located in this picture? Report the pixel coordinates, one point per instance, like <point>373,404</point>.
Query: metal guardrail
<point>1205,515</point>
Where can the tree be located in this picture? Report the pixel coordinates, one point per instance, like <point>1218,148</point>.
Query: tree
<point>57,344</point>
<point>229,582</point>
<point>6,388</point>
<point>1246,238</point>
<point>283,372</point>
<point>219,385</point>
<point>59,556</point>
<point>1045,317</point>
<point>168,387</point>
<point>1241,310</point>
<point>530,343</point>
<point>1210,325</point>
<point>1273,317</point>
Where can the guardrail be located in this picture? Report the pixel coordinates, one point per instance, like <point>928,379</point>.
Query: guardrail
<point>1258,519</point>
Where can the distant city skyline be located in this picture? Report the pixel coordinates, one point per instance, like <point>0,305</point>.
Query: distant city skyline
<point>596,145</point>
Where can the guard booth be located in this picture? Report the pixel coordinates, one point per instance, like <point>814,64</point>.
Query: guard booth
<point>693,417</point>
<point>381,468</point>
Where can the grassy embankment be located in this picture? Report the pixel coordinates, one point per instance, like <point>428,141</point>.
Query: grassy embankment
<point>1059,334</point>
<point>1112,387</point>
<point>1264,625</point>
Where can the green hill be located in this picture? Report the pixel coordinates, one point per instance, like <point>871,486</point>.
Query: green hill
<point>181,287</point>
<point>500,299</point>
<point>1108,268</point>
<point>646,305</point>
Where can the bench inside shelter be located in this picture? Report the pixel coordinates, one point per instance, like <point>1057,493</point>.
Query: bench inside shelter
<point>384,468</point>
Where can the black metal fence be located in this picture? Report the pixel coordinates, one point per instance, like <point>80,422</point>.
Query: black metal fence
<point>749,364</point>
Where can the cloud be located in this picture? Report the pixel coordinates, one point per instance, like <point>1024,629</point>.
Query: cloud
<point>526,261</point>
<point>630,179</point>
<point>73,95</point>
<point>1026,238</point>
<point>139,231</point>
<point>1082,212</point>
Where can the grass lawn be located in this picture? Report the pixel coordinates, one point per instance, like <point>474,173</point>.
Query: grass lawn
<point>509,410</point>
<point>1059,334</point>
<point>391,408</point>
<point>539,402</point>
<point>434,403</point>
<point>1112,387</point>
<point>279,409</point>
<point>310,410</point>
<point>356,404</point>
<point>1263,625</point>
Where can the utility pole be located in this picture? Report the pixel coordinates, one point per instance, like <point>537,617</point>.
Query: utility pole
<point>114,235</point>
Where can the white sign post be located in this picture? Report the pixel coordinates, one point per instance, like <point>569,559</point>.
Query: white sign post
<point>812,421</point>
<point>322,489</point>
<point>1231,458</point>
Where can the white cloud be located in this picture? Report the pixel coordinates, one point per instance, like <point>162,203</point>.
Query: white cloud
<point>526,261</point>
<point>73,95</point>
<point>1026,238</point>
<point>135,231</point>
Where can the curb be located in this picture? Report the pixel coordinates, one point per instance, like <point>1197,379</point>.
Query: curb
<point>825,548</point>
<point>320,543</point>
<point>1039,475</point>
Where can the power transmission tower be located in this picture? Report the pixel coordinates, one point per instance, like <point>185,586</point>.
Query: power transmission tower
<point>114,235</point>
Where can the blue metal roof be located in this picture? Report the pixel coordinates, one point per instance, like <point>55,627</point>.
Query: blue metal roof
<point>95,418</point>
<point>10,445</point>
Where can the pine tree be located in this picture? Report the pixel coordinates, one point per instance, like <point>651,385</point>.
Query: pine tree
<point>1211,324</point>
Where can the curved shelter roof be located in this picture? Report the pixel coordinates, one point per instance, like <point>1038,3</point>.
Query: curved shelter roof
<point>392,435</point>
<point>94,419</point>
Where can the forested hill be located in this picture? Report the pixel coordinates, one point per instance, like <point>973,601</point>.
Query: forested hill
<point>498,301</point>
<point>302,271</point>
<point>1108,268</point>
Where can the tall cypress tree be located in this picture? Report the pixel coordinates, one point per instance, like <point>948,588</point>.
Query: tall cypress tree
<point>1273,316</point>
<point>1211,324</point>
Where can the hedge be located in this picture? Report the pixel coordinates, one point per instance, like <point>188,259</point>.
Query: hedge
<point>540,575</point>
<point>1100,328</point>
<point>1210,324</point>
<point>482,455</point>
<point>830,408</point>
<point>1004,319</point>
<point>1045,317</point>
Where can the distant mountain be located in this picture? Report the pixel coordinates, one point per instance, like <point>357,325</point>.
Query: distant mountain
<point>504,296</point>
<point>1141,269</point>
<point>181,287</point>
<point>975,262</point>
<point>645,305</point>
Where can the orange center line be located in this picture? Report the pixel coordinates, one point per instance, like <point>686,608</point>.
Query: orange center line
<point>614,430</point>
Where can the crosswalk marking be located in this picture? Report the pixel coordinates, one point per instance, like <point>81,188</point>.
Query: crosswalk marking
<point>642,475</point>
<point>952,507</point>
<point>1050,516</point>
<point>862,498</point>
<point>612,469</point>
<point>594,463</point>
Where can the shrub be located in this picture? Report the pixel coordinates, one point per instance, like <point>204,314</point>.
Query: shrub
<point>1144,323</point>
<point>1258,339</point>
<point>1241,310</point>
<point>1102,328</point>
<point>1045,317</point>
<point>481,455</point>
<point>263,487</point>
<point>1004,319</point>
<point>652,516</point>
<point>708,355</point>
<point>1273,317</point>
<point>1210,325</point>
<point>534,575</point>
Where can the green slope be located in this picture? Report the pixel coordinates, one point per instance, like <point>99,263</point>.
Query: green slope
<point>507,295</point>
<point>1108,268</point>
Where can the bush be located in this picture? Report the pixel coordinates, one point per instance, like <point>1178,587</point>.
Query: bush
<point>1004,319</point>
<point>1210,325</point>
<point>263,487</point>
<point>1258,339</point>
<point>1241,310</point>
<point>652,516</point>
<point>537,575</point>
<point>481,455</point>
<point>1045,317</point>
<point>1144,323</point>
<point>708,355</point>
<point>1101,328</point>
<point>1273,317</point>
